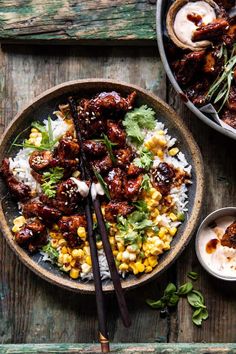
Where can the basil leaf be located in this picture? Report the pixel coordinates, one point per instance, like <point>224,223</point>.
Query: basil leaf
<point>174,299</point>
<point>195,300</point>
<point>156,304</point>
<point>199,294</point>
<point>193,275</point>
<point>170,289</point>
<point>185,289</point>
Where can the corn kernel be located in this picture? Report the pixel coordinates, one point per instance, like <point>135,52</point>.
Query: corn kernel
<point>54,243</point>
<point>146,263</point>
<point>88,260</point>
<point>77,254</point>
<point>173,217</point>
<point>160,153</point>
<point>62,242</point>
<point>133,267</point>
<point>67,258</point>
<point>173,231</point>
<point>73,262</point>
<point>115,252</point>
<point>64,250</point>
<point>81,232</point>
<point>74,273</point>
<point>119,256</point>
<point>112,241</point>
<point>162,232</point>
<point>150,233</point>
<point>123,267</point>
<point>86,250</point>
<point>60,258</point>
<point>148,269</point>
<point>121,247</point>
<point>99,245</point>
<point>66,268</point>
<point>173,151</point>
<point>152,261</point>
<point>34,130</point>
<point>140,267</point>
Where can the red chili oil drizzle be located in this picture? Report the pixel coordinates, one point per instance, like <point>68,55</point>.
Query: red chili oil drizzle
<point>212,245</point>
<point>195,18</point>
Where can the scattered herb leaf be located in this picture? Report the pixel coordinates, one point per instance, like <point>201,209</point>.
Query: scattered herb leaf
<point>51,252</point>
<point>102,182</point>
<point>145,159</point>
<point>193,275</point>
<point>146,184</point>
<point>185,288</point>
<point>51,178</point>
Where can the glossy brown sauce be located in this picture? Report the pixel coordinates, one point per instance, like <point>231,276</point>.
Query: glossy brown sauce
<point>212,245</point>
<point>195,18</point>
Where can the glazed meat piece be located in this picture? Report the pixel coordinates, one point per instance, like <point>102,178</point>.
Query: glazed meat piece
<point>230,37</point>
<point>94,148</point>
<point>185,69</point>
<point>197,92</point>
<point>132,188</point>
<point>37,208</point>
<point>68,192</point>
<point>37,176</point>
<point>232,99</point>
<point>114,182</point>
<point>39,160</point>
<point>229,237</point>
<point>229,117</point>
<point>71,223</point>
<point>68,148</point>
<point>91,125</point>
<point>134,170</point>
<point>64,208</point>
<point>211,31</point>
<point>113,209</point>
<point>109,103</point>
<point>18,189</point>
<point>32,235</point>
<point>102,166</point>
<point>116,133</point>
<point>163,177</point>
<point>213,63</point>
<point>123,156</point>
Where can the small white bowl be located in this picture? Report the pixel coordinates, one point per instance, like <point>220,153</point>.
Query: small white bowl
<point>229,211</point>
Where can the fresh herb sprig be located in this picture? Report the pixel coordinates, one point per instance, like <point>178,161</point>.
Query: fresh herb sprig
<point>50,180</point>
<point>171,298</point>
<point>145,159</point>
<point>146,184</point>
<point>102,182</point>
<point>52,253</point>
<point>220,89</point>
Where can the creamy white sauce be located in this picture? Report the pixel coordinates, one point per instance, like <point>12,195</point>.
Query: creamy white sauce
<point>223,259</point>
<point>184,28</point>
<point>96,189</point>
<point>82,187</point>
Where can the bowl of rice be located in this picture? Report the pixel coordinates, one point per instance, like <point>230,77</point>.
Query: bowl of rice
<point>161,216</point>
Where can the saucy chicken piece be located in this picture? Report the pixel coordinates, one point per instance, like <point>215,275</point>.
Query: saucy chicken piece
<point>229,117</point>
<point>163,177</point>
<point>114,182</point>
<point>132,188</point>
<point>113,209</point>
<point>116,133</point>
<point>229,37</point>
<point>94,148</point>
<point>197,92</point>
<point>68,148</point>
<point>232,98</point>
<point>37,208</point>
<point>18,189</point>
<point>211,31</point>
<point>39,160</point>
<point>123,156</point>
<point>134,170</point>
<point>32,235</point>
<point>103,165</point>
<point>229,237</point>
<point>71,223</point>
<point>185,69</point>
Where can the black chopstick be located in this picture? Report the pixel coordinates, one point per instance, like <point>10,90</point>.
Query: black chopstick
<point>102,228</point>
<point>103,334</point>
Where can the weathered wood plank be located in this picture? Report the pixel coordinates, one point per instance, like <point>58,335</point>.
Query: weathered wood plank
<point>84,21</point>
<point>134,348</point>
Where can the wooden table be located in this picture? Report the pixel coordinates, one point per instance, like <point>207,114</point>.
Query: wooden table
<point>33,311</point>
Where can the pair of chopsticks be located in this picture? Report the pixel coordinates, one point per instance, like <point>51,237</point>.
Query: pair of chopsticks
<point>85,174</point>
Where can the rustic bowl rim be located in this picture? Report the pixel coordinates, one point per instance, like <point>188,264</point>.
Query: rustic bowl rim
<point>173,81</point>
<point>216,213</point>
<point>189,228</point>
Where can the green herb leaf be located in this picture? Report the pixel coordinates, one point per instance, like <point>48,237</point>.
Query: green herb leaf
<point>193,275</point>
<point>170,289</point>
<point>185,289</point>
<point>141,205</point>
<point>199,315</point>
<point>51,252</point>
<point>195,300</point>
<point>102,182</point>
<point>136,120</point>
<point>181,217</point>
<point>109,144</point>
<point>173,301</point>
<point>51,178</point>
<point>156,304</point>
<point>146,184</point>
<point>145,159</point>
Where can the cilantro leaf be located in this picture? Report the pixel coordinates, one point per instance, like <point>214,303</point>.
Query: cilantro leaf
<point>51,252</point>
<point>145,159</point>
<point>51,178</point>
<point>146,184</point>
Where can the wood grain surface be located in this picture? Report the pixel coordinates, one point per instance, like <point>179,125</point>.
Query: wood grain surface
<point>33,311</point>
<point>66,21</point>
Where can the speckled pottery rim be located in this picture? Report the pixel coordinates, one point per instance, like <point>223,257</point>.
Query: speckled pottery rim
<point>189,104</point>
<point>172,120</point>
<point>228,211</point>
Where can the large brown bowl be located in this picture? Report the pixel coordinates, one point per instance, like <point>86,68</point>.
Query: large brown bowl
<point>44,105</point>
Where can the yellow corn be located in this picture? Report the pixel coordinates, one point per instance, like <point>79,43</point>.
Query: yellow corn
<point>150,233</point>
<point>119,256</point>
<point>54,243</point>
<point>148,269</point>
<point>173,217</point>
<point>74,273</point>
<point>67,258</point>
<point>146,263</point>
<point>121,247</point>
<point>18,223</point>
<point>64,250</point>
<point>173,231</point>
<point>112,241</point>
<point>162,232</point>
<point>152,261</point>
<point>173,151</point>
<point>88,260</point>
<point>77,254</point>
<point>140,267</point>
<point>34,130</point>
<point>86,250</point>
<point>160,153</point>
<point>115,252</point>
<point>123,267</point>
<point>99,245</point>
<point>81,232</point>
<point>66,268</point>
<point>73,262</point>
<point>62,242</point>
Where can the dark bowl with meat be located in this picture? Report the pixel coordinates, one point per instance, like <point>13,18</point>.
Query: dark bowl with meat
<point>193,73</point>
<point>48,211</point>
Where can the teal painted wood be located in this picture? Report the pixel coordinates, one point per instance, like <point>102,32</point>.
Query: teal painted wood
<point>134,348</point>
<point>71,20</point>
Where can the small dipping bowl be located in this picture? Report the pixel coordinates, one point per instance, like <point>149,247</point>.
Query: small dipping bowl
<point>211,254</point>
